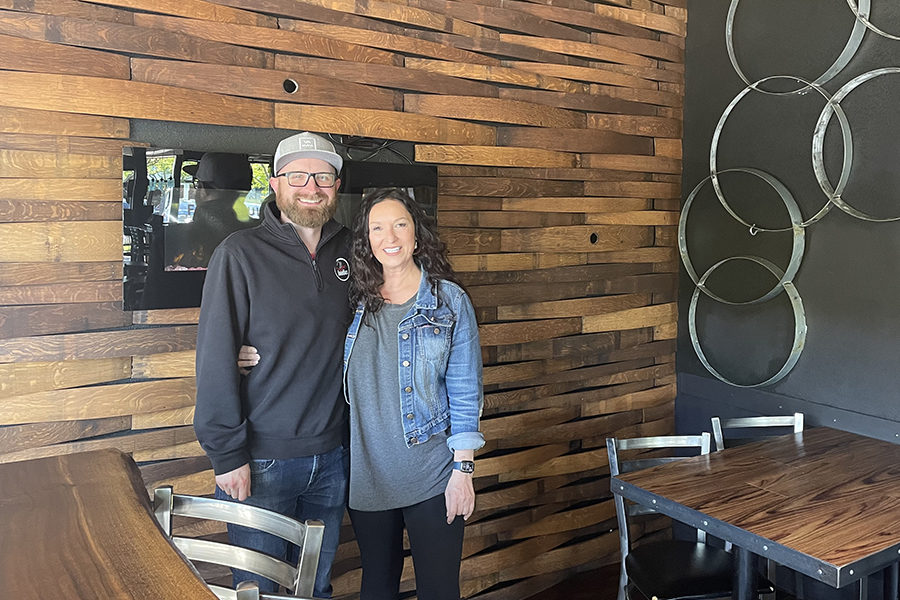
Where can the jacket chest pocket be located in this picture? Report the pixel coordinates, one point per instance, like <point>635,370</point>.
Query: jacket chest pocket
<point>433,342</point>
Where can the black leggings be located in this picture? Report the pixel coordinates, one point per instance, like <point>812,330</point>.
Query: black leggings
<point>436,550</point>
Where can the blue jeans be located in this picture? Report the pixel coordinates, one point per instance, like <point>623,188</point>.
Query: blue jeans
<point>309,487</point>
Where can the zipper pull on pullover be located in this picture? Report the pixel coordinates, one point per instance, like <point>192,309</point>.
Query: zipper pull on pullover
<point>315,268</point>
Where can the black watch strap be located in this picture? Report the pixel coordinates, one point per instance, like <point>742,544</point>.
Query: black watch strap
<point>466,466</point>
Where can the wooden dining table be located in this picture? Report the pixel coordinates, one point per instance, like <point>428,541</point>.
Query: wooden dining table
<point>80,527</point>
<point>824,502</point>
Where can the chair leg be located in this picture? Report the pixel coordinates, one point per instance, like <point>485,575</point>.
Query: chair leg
<point>623,583</point>
<point>891,577</point>
<point>864,588</point>
<point>770,575</point>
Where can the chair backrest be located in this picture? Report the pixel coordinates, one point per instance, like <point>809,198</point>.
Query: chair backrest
<point>674,444</point>
<point>720,426</point>
<point>298,578</point>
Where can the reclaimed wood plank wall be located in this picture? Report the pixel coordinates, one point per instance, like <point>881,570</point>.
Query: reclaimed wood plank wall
<point>556,125</point>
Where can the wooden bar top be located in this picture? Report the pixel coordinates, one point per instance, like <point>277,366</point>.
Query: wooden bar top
<point>80,526</point>
<point>825,502</point>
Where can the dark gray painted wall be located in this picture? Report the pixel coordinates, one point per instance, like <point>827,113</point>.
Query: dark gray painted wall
<point>848,375</point>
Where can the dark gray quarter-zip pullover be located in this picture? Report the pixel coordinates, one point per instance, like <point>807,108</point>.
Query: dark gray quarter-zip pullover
<point>263,288</point>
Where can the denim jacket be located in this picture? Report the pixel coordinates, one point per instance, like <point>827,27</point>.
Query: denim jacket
<point>440,367</point>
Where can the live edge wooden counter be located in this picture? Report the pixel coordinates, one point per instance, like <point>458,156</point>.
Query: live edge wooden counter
<point>80,526</point>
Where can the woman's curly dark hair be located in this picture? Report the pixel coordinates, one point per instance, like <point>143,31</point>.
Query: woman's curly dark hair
<point>430,254</point>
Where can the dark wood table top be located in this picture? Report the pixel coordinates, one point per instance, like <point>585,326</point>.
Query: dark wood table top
<point>823,502</point>
<point>80,526</point>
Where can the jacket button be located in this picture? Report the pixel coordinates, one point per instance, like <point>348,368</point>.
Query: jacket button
<point>405,336</point>
<point>437,330</point>
<point>407,389</point>
<point>413,440</point>
<point>410,416</point>
<point>405,363</point>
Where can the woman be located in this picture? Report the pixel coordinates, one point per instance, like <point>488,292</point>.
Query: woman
<point>412,377</point>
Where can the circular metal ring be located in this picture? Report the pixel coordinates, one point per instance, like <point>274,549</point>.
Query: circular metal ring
<point>798,243</point>
<point>835,195</point>
<point>717,134</point>
<point>861,13</point>
<point>799,323</point>
<point>852,45</point>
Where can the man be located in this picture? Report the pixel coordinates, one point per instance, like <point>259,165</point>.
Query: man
<point>220,183</point>
<point>275,437</point>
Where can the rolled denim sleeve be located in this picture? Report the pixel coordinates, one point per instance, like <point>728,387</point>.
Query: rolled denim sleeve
<point>463,379</point>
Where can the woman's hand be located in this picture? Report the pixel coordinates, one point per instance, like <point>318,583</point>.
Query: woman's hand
<point>460,496</point>
<point>248,357</point>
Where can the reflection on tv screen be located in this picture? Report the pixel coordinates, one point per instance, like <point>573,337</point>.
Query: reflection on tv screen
<point>200,221</point>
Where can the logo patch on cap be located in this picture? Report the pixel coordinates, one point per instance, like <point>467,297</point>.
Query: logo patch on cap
<point>342,269</point>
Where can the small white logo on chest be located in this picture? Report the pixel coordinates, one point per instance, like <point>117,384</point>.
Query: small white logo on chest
<point>342,269</point>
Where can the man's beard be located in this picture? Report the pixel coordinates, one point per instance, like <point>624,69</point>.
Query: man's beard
<point>305,215</point>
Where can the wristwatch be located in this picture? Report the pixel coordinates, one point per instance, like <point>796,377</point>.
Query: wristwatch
<point>466,466</point>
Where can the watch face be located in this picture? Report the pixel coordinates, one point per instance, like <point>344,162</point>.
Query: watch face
<point>466,466</point>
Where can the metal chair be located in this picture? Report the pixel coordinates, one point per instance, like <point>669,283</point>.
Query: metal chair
<point>667,569</point>
<point>781,422</point>
<point>298,579</point>
<point>719,427</point>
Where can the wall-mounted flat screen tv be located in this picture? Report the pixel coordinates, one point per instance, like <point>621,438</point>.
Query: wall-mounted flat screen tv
<point>175,214</point>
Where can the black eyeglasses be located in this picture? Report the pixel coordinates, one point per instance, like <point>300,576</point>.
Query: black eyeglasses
<point>301,178</point>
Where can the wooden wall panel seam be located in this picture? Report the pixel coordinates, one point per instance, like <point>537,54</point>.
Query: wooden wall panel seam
<point>487,155</point>
<point>407,15</point>
<point>28,121</point>
<point>394,42</point>
<point>197,9</point>
<point>65,144</point>
<point>127,38</point>
<point>583,49</point>
<point>585,74</point>
<point>132,99</point>
<point>272,39</point>
<point>382,124</point>
<point>384,75</point>
<point>491,109</point>
<point>507,74</point>
<point>98,345</point>
<point>264,84</point>
<point>24,54</point>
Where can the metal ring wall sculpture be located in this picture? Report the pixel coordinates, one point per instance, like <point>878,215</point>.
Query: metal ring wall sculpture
<point>834,107</point>
<point>861,12</point>
<point>796,229</point>
<point>833,194</point>
<point>853,42</point>
<point>845,131</point>
<point>799,321</point>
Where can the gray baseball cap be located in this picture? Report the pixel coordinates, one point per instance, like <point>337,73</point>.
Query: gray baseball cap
<point>306,145</point>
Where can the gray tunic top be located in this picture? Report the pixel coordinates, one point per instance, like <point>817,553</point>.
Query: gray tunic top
<point>384,473</point>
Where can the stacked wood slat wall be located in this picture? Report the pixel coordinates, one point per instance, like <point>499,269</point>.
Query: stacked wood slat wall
<point>556,126</point>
